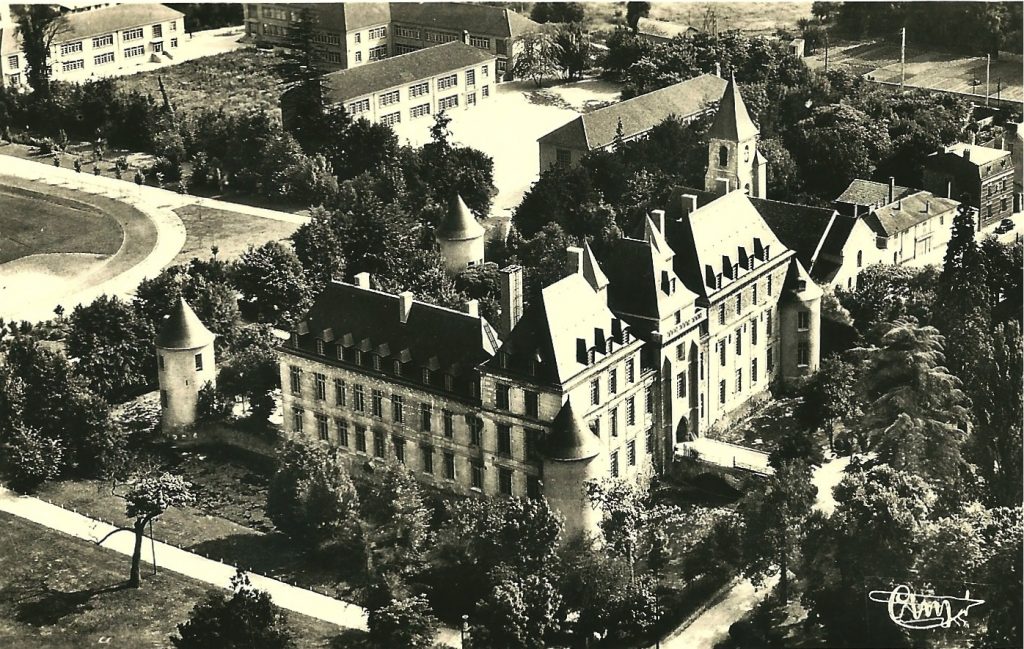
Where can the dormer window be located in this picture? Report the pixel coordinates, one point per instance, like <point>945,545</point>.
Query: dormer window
<point>673,284</point>
<point>679,317</point>
<point>591,356</point>
<point>735,271</point>
<point>718,280</point>
<point>375,361</point>
<point>767,253</point>
<point>426,376</point>
<point>320,347</point>
<point>397,368</point>
<point>340,351</point>
<point>358,357</point>
<point>449,382</point>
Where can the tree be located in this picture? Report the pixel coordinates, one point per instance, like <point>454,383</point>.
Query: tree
<point>114,347</point>
<point>405,622</point>
<point>251,371</point>
<point>886,293</point>
<point>624,49</point>
<point>556,12</point>
<point>30,459</point>
<point>774,519</point>
<point>518,612</point>
<point>312,499</point>
<point>246,620</point>
<point>570,50</point>
<point>635,11</point>
<point>401,522</point>
<point>483,283</point>
<point>38,27</point>
<point>272,282</point>
<point>148,499</point>
<point>318,247</point>
<point>534,61</point>
<point>830,396</point>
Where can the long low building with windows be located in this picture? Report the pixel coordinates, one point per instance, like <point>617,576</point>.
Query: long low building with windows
<point>98,42</point>
<point>407,87</point>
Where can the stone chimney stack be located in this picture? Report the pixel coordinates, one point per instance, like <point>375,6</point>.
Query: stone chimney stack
<point>362,280</point>
<point>465,37</point>
<point>404,306</point>
<point>892,189</point>
<point>949,189</point>
<point>511,298</point>
<point>658,216</point>
<point>574,260</point>
<point>689,204</point>
<point>473,308</point>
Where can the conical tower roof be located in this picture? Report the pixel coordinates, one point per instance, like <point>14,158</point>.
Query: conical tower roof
<point>732,122</point>
<point>183,329</point>
<point>459,223</point>
<point>570,439</point>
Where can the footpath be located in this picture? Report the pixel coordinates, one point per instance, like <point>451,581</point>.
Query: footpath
<point>216,573</point>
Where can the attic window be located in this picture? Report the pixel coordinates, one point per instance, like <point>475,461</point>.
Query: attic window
<point>320,347</point>
<point>358,357</point>
<point>426,376</point>
<point>673,285</point>
<point>375,361</point>
<point>801,285</point>
<point>718,280</point>
<point>591,356</point>
<point>767,254</point>
<point>397,368</point>
<point>340,351</point>
<point>735,271</point>
<point>449,382</point>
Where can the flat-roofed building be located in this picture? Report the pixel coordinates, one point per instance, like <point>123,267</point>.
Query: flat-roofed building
<point>980,176</point>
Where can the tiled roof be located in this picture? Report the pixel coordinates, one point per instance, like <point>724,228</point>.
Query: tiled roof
<point>182,329</point>
<point>570,439</point>
<point>441,339</point>
<point>105,20</point>
<point>661,28</point>
<point>720,231</point>
<point>732,121</point>
<point>638,115</point>
<point>868,192</point>
<point>904,214</point>
<point>479,20</point>
<point>798,227</point>
<point>459,223</point>
<point>403,69</point>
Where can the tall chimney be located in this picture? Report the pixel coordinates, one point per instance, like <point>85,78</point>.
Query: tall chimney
<point>658,216</point>
<point>927,207</point>
<point>473,308</point>
<point>363,280</point>
<point>892,189</point>
<point>404,306</point>
<point>718,69</point>
<point>949,189</point>
<point>967,150</point>
<point>465,37</point>
<point>689,202</point>
<point>574,260</point>
<point>511,298</point>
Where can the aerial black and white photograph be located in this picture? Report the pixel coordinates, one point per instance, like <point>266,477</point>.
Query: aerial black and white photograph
<point>511,325</point>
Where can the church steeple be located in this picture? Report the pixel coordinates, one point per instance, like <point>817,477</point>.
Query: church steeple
<point>733,160</point>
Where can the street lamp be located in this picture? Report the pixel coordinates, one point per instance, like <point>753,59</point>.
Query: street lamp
<point>464,629</point>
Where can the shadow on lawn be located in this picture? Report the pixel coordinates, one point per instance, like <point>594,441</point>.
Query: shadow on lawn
<point>39,605</point>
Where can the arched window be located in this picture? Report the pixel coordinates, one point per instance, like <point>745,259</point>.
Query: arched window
<point>723,155</point>
<point>860,258</point>
<point>746,189</point>
<point>746,153</point>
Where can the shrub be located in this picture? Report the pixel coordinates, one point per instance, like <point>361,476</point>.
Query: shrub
<point>32,459</point>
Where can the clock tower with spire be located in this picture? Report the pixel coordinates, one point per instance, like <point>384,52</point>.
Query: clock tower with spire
<point>733,159</point>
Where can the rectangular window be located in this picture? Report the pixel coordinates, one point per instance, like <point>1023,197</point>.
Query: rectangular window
<point>13,62</point>
<point>419,89</point>
<point>531,399</point>
<point>319,386</point>
<point>480,41</point>
<point>158,31</point>
<point>426,414</point>
<point>769,282</point>
<point>533,489</point>
<point>702,405</point>
<point>768,323</point>
<point>449,423</point>
<point>360,106</point>
<point>630,411</point>
<point>631,452</point>
<point>739,303</point>
<point>613,381</point>
<point>648,400</point>
<point>379,444</point>
<point>803,355</point>
<point>613,422</point>
<point>425,376</point>
<point>321,427</point>
<point>595,392</point>
<point>505,439</point>
<point>419,111</point>
<point>721,391</point>
<point>358,37</point>
<point>297,419</point>
<point>131,34</point>
<point>391,118</point>
<point>478,475</point>
<point>563,158</point>
<point>378,53</point>
<point>160,362</point>
<point>449,81</point>
<point>533,439</point>
<point>470,77</point>
<point>505,481</point>
<point>378,32</point>
<point>484,71</point>
<point>359,55</point>
<point>320,347</point>
<point>803,320</point>
<point>721,353</point>
<point>471,99</point>
<point>407,32</point>
<point>137,50</point>
<point>630,370</point>
<point>769,359</point>
<point>358,398</point>
<point>739,380</point>
<point>649,440</point>
<point>360,439</point>
<point>377,403</point>
<point>753,371</point>
<point>389,98</point>
<point>501,396</point>
<point>739,342</point>
<point>449,465</point>
<point>340,395</point>
<point>753,331</point>
<point>485,91</point>
<point>427,459</point>
<point>721,314</point>
<point>342,426</point>
<point>174,25</point>
<point>476,431</point>
<point>163,398</point>
<point>102,41</point>
<point>753,290</point>
<point>295,376</point>
<point>448,102</point>
<point>399,443</point>
<point>398,408</point>
<point>199,362</point>
<point>615,464</point>
<point>70,48</point>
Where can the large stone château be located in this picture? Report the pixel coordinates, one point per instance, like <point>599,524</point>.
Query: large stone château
<point>673,334</point>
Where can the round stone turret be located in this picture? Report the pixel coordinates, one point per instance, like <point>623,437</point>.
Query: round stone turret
<point>571,459</point>
<point>185,363</point>
<point>460,237</point>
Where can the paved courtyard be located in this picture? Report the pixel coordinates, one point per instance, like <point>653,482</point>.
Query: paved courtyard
<point>507,125</point>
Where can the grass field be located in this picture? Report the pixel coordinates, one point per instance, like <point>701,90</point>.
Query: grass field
<point>231,232</point>
<point>59,592</point>
<point>33,222</point>
<point>759,17</point>
<point>233,81</point>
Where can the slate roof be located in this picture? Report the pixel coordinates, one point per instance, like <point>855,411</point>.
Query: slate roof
<point>182,329</point>
<point>798,227</point>
<point>721,228</point>
<point>441,339</point>
<point>546,336</point>
<point>459,223</point>
<point>904,214</point>
<point>640,114</point>
<point>732,121</point>
<point>662,28</point>
<point>477,19</point>
<point>570,439</point>
<point>868,192</point>
<point>403,69</point>
<point>105,20</point>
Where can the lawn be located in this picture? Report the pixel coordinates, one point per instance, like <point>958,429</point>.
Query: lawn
<point>233,81</point>
<point>231,232</point>
<point>60,592</point>
<point>760,17</point>
<point>34,220</point>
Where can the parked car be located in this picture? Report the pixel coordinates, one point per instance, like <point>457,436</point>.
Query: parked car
<point>1004,226</point>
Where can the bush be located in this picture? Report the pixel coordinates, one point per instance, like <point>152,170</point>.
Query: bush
<point>32,459</point>
<point>404,622</point>
<point>47,146</point>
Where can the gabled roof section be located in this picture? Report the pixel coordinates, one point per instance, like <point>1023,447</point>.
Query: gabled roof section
<point>448,341</point>
<point>798,283</point>
<point>870,193</point>
<point>402,69</point>
<point>105,20</point>
<point>902,215</point>
<point>346,16</point>
<point>829,257</point>
<point>570,439</point>
<point>477,19</point>
<point>654,237</point>
<point>719,233</point>
<point>182,329</point>
<point>592,270</point>
<point>732,121</point>
<point>638,115</point>
<point>459,223</point>
<point>799,227</point>
<point>639,277</point>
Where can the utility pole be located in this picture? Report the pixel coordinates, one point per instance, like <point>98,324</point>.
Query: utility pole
<point>826,52</point>
<point>988,76</point>
<point>903,57</point>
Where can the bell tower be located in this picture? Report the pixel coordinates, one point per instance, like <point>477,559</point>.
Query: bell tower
<point>733,160</point>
